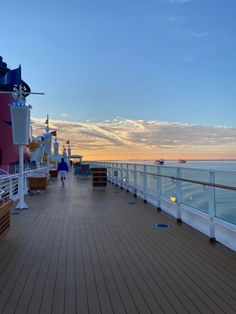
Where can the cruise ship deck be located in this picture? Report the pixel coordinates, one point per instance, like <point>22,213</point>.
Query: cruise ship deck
<point>76,250</point>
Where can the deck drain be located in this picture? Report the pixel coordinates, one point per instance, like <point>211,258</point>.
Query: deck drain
<point>131,203</point>
<point>15,213</point>
<point>162,226</point>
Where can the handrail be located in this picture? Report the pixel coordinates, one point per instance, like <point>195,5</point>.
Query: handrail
<point>170,166</point>
<point>220,186</point>
<point>9,183</point>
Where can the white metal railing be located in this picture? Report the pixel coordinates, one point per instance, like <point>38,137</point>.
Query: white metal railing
<point>9,183</point>
<point>202,198</point>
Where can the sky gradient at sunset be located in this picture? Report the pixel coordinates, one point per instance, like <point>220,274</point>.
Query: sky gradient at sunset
<point>130,79</point>
<point>139,139</point>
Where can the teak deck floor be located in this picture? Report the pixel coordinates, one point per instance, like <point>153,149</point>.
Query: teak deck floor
<point>76,250</point>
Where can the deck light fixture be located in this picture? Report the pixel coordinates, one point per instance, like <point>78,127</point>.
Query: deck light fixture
<point>173,198</point>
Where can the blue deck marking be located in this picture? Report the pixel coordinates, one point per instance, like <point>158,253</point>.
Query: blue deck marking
<point>131,203</point>
<point>162,226</point>
<point>15,213</point>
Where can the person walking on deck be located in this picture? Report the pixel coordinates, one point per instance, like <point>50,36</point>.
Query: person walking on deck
<point>63,169</point>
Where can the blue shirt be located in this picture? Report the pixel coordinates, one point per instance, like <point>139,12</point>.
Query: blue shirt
<point>62,166</point>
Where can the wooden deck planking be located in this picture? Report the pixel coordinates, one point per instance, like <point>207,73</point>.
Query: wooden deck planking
<point>83,251</point>
<point>22,257</point>
<point>169,276</point>
<point>217,288</point>
<point>184,262</point>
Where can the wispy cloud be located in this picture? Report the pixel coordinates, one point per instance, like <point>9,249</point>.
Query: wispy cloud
<point>169,19</point>
<point>200,34</point>
<point>173,19</point>
<point>178,1</point>
<point>188,59</point>
<point>126,138</point>
<point>65,115</point>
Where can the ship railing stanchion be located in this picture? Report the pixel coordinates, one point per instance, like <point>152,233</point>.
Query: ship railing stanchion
<point>25,184</point>
<point>127,177</point>
<point>121,176</point>
<point>158,187</point>
<point>10,189</point>
<point>135,180</point>
<point>145,183</point>
<point>113,174</point>
<point>116,174</point>
<point>178,196</point>
<point>110,169</point>
<point>211,205</point>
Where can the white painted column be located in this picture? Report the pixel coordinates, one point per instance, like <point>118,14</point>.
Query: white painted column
<point>121,176</point>
<point>145,184</point>
<point>178,196</point>
<point>135,180</point>
<point>21,204</point>
<point>127,178</point>
<point>211,204</point>
<point>158,181</point>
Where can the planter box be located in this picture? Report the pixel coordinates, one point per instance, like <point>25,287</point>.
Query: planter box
<point>38,183</point>
<point>53,173</point>
<point>5,208</point>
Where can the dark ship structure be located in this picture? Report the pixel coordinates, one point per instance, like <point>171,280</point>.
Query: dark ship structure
<point>9,81</point>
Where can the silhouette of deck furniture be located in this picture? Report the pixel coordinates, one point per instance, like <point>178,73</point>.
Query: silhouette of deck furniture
<point>38,183</point>
<point>53,173</point>
<point>99,180</point>
<point>5,207</point>
<point>82,170</point>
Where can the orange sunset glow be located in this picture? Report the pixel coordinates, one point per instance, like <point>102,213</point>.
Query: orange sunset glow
<point>142,140</point>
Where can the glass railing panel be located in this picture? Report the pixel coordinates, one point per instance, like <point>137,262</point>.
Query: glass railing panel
<point>151,183</point>
<point>131,166</point>
<point>124,174</point>
<point>151,178</point>
<point>168,186</point>
<point>140,177</point>
<point>225,200</point>
<point>195,195</point>
<point>131,174</point>
<point>131,177</point>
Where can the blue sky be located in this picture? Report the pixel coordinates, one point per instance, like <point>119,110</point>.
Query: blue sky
<point>168,60</point>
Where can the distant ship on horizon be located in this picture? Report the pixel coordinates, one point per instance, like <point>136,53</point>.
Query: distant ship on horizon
<point>159,161</point>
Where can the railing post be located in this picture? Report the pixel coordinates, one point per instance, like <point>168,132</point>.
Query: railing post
<point>121,176</point>
<point>108,172</point>
<point>116,174</point>
<point>112,171</point>
<point>10,189</point>
<point>145,183</point>
<point>178,196</point>
<point>25,185</point>
<point>135,180</point>
<point>127,178</point>
<point>211,205</point>
<point>158,189</point>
